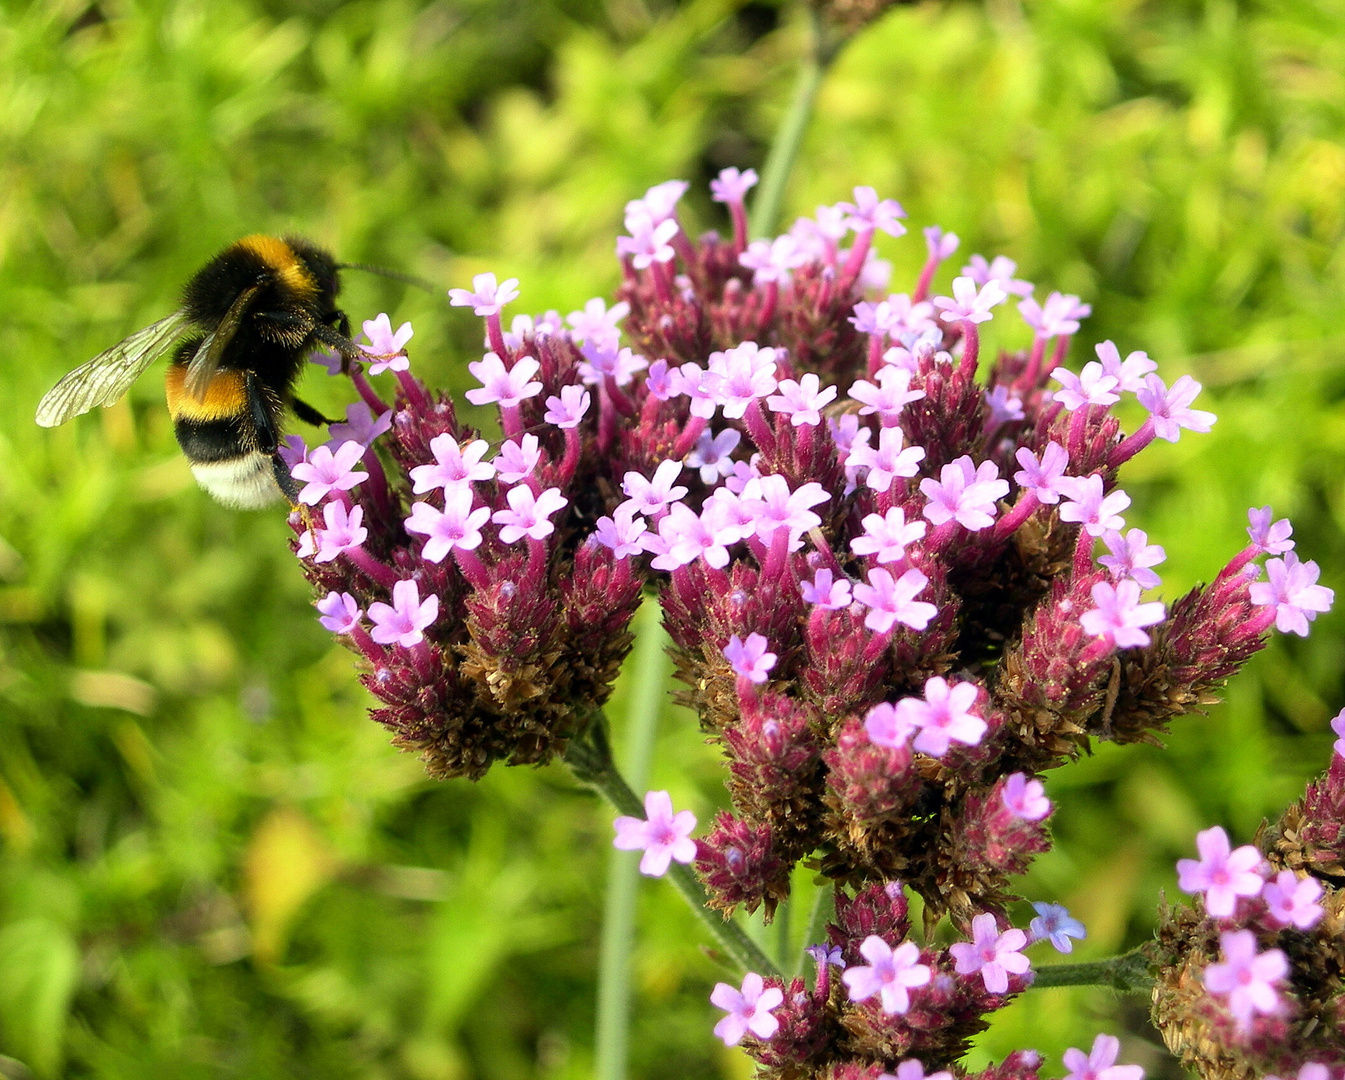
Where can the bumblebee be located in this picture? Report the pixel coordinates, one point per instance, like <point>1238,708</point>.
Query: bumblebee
<point>248,320</point>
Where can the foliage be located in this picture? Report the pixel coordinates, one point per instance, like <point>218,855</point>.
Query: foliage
<point>212,864</point>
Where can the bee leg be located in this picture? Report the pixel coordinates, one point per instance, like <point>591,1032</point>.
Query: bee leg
<point>308,414</point>
<point>262,414</point>
<point>339,341</point>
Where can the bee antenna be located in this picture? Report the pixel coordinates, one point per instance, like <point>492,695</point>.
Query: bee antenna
<point>395,275</point>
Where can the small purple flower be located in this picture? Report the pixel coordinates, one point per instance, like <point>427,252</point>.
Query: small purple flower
<point>1003,408</point>
<point>1294,591</point>
<point>1099,1065</point>
<point>649,242</point>
<point>569,408</point>
<point>731,185</point>
<point>996,956</point>
<point>868,212</point>
<point>343,532</point>
<point>1128,373</point>
<point>1131,556</point>
<point>508,387</point>
<point>1001,270</point>
<point>944,717</point>
<point>651,497</point>
<point>1168,409</point>
<point>1266,538</point>
<point>965,493</point>
<point>749,659</point>
<point>621,532</point>
<point>1292,901</point>
<point>1338,726</point>
<point>826,955</point>
<point>825,593</point>
<point>712,454</point>
<point>662,835</point>
<point>890,974</point>
<point>659,202</point>
<point>454,465</point>
<point>885,537</point>
<point>1024,798</point>
<point>774,506</point>
<point>325,472</point>
<point>329,359</point>
<point>292,450</point>
<point>1221,874</point>
<point>938,243</point>
<point>746,374</point>
<point>517,459</point>
<point>487,297</point>
<point>455,528</point>
<point>1248,978</point>
<point>968,303</point>
<point>749,1009</point>
<point>340,612</point>
<point>1119,616</point>
<point>889,462</point>
<point>387,348</point>
<point>802,400</point>
<point>528,515</point>
<point>891,602</point>
<point>360,425</point>
<point>604,358</point>
<point>1092,386</point>
<point>402,623</point>
<point>1055,924</point>
<point>888,726</point>
<point>702,387</point>
<point>889,396</point>
<point>1089,507</point>
<point>597,322</point>
<point>1044,476</point>
<point>1059,316</point>
<point>773,261</point>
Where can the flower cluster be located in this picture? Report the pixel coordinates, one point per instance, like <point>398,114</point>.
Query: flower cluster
<point>896,574</point>
<point>1252,978</point>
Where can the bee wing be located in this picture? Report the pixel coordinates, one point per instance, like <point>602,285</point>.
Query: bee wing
<point>207,359</point>
<point>104,379</point>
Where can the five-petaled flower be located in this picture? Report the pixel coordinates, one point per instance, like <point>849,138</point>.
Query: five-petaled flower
<point>1055,924</point>
<point>890,974</point>
<point>995,955</point>
<point>1221,873</point>
<point>1248,977</point>
<point>404,620</point>
<point>749,1009</point>
<point>662,835</point>
<point>1100,1063</point>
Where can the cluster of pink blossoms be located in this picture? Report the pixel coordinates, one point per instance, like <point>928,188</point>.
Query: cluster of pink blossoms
<point>897,578</point>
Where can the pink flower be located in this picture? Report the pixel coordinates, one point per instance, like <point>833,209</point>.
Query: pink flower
<point>1001,270</point>
<point>773,260</point>
<point>343,532</point>
<point>749,659</point>
<point>968,303</point>
<point>944,717</point>
<point>913,1069</point>
<point>325,472</point>
<point>1222,875</point>
<point>662,835</point>
<point>517,458</point>
<point>996,956</point>
<point>964,493</point>
<point>1055,924</point>
<point>361,425</point>
<point>651,497</point>
<point>340,612</point>
<point>1098,1065</point>
<point>1338,726</point>
<point>1131,556</point>
<point>889,462</point>
<point>569,408</point>
<point>886,537</point>
<point>1092,386</point>
<point>889,396</point>
<point>1088,506</point>
<point>802,400</point>
<point>749,1009</point>
<point>887,726</point>
<point>890,974</point>
<point>891,602</point>
<point>597,322</point>
<point>486,297</point>
<point>621,532</point>
<point>825,593</point>
<point>1059,316</point>
<point>455,528</point>
<point>649,242</point>
<point>402,623</point>
<point>732,186</point>
<point>1248,978</point>
<point>387,348</point>
<point>746,373</point>
<point>1294,591</point>
<point>1292,900</point>
<point>712,454</point>
<point>1269,539</point>
<point>1025,798</point>
<point>508,387</point>
<point>528,515</point>
<point>1045,477</point>
<point>1128,373</point>
<point>454,465</point>
<point>1119,616</point>
<point>1168,408</point>
<point>868,212</point>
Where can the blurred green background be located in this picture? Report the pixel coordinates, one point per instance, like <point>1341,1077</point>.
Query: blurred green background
<point>213,865</point>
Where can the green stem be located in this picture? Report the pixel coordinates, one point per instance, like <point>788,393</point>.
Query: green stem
<point>590,758</point>
<point>623,876</point>
<point>1127,974</point>
<point>823,912</point>
<point>789,135</point>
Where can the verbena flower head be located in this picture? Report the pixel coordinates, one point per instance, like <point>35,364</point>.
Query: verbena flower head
<point>893,623</point>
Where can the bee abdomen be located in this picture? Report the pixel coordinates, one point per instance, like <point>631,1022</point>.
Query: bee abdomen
<point>245,483</point>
